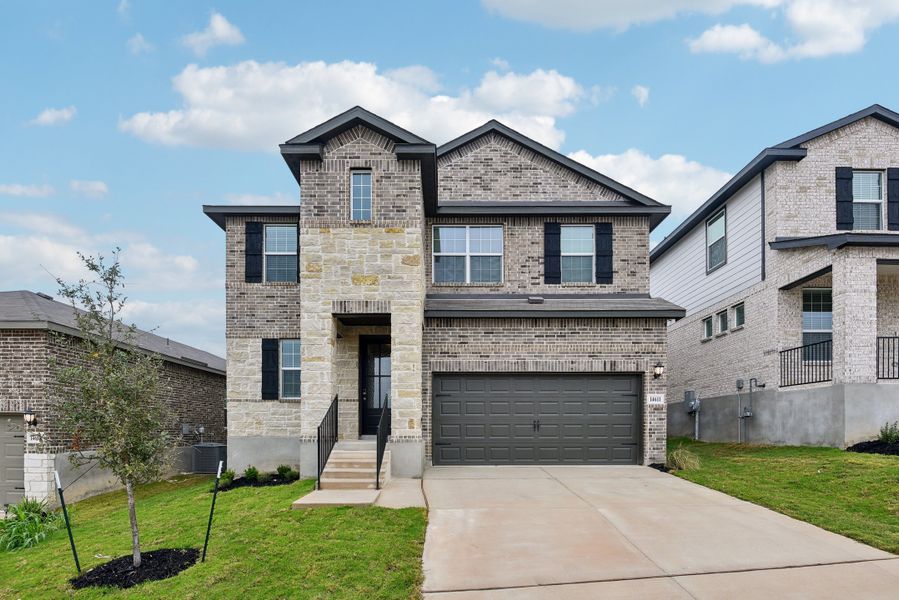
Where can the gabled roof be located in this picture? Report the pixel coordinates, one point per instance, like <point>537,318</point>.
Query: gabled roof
<point>349,119</point>
<point>789,150</point>
<point>28,310</point>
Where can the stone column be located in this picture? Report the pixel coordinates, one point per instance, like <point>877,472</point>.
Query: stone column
<point>854,317</point>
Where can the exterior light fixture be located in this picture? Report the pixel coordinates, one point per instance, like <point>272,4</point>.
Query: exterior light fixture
<point>30,417</point>
<point>658,370</point>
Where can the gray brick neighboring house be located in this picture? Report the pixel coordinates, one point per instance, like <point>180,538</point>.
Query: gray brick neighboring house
<point>492,293</point>
<point>36,337</point>
<point>790,276</point>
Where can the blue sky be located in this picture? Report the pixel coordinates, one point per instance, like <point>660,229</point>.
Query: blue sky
<point>119,119</point>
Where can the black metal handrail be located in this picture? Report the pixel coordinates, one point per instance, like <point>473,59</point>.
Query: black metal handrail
<point>381,445</point>
<point>327,438</point>
<point>811,363</point>
<point>887,357</point>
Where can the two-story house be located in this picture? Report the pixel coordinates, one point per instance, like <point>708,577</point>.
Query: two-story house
<point>790,278</point>
<point>490,294</point>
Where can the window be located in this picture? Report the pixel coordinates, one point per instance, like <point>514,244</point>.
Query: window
<point>578,254</point>
<point>739,315</point>
<point>716,241</point>
<point>722,321</point>
<point>290,368</point>
<point>468,254</point>
<point>867,199</point>
<point>817,318</point>
<point>361,196</point>
<point>281,252</point>
<point>707,328</point>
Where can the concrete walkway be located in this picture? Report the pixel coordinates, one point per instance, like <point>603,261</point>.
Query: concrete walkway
<point>627,532</point>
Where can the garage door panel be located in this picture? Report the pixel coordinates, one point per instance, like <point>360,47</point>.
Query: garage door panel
<point>582,419</point>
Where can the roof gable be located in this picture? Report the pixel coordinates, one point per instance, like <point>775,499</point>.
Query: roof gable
<point>357,115</point>
<point>875,111</point>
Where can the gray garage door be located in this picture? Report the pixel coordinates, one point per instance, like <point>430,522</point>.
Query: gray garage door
<point>12,459</point>
<point>492,419</point>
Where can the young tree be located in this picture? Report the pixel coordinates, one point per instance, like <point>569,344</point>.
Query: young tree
<point>108,397</point>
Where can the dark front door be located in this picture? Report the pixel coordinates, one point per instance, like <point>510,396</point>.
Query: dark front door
<point>374,381</point>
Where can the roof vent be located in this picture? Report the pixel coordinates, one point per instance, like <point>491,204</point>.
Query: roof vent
<point>45,296</point>
<point>535,299</point>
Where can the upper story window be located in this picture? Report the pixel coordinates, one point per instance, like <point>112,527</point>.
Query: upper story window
<point>281,252</point>
<point>739,315</point>
<point>290,368</point>
<point>867,199</point>
<point>468,254</point>
<point>360,196</point>
<point>722,321</point>
<point>578,253</point>
<point>707,328</point>
<point>716,240</point>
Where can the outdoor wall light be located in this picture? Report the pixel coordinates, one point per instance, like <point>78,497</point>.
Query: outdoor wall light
<point>30,418</point>
<point>658,370</point>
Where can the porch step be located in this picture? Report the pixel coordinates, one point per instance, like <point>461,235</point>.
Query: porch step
<point>350,469</point>
<point>352,472</point>
<point>329,483</point>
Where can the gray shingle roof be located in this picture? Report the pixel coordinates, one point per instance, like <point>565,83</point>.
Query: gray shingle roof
<point>28,310</point>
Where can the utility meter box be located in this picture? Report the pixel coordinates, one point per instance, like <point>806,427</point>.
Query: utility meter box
<point>691,401</point>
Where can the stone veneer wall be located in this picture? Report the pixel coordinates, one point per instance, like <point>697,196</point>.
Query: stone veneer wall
<point>454,345</point>
<point>523,256</point>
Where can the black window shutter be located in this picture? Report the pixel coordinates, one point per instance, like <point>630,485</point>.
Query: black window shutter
<point>844,198</point>
<point>603,253</point>
<point>253,253</point>
<point>270,366</point>
<point>893,199</point>
<point>552,253</point>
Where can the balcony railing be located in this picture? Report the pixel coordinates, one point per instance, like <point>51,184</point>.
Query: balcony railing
<point>888,358</point>
<point>812,363</point>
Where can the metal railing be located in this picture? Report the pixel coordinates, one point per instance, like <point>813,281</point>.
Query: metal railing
<point>888,357</point>
<point>327,437</point>
<point>381,444</point>
<point>812,363</point>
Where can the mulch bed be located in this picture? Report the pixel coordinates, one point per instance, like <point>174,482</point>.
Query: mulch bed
<point>243,482</point>
<point>155,565</point>
<point>875,447</point>
<point>660,467</point>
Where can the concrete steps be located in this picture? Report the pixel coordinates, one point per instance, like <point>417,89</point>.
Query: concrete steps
<point>351,466</point>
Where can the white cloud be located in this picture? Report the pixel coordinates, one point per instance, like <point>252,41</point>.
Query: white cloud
<point>262,199</point>
<point>589,15</point>
<point>417,76</point>
<point>26,191</point>
<point>641,93</point>
<point>123,8</point>
<point>91,189</point>
<point>500,63</point>
<point>671,178</point>
<point>54,116</point>
<point>255,106</point>
<point>138,44</point>
<point>219,32</point>
<point>194,322</point>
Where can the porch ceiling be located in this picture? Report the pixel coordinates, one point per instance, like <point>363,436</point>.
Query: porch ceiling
<point>351,319</point>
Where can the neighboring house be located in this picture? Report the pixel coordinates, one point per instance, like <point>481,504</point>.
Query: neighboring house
<point>790,275</point>
<point>39,335</point>
<point>492,293</point>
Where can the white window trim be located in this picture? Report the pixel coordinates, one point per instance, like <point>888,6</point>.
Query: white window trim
<point>468,254</point>
<point>591,254</point>
<point>735,306</point>
<point>282,368</point>
<point>705,329</point>
<point>718,321</point>
<point>266,253</point>
<point>371,188</point>
<point>880,202</point>
<point>708,267</point>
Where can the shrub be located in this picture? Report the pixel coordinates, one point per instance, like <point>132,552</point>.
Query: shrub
<point>264,477</point>
<point>889,433</point>
<point>27,524</point>
<point>251,474</point>
<point>283,471</point>
<point>293,475</point>
<point>682,459</point>
<point>226,480</point>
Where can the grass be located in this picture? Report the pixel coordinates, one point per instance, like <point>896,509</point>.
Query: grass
<point>259,547</point>
<point>856,495</point>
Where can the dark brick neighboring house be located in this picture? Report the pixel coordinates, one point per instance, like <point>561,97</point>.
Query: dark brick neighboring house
<point>36,334</point>
<point>492,293</point>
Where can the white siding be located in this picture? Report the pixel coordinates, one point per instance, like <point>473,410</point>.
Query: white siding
<point>680,276</point>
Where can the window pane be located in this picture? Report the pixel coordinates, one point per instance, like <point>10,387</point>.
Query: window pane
<point>577,240</point>
<point>290,384</point>
<point>718,253</point>
<point>739,315</point>
<point>361,196</point>
<point>577,269</point>
<point>449,269</point>
<point>817,310</point>
<point>866,185</point>
<point>281,267</point>
<point>707,327</point>
<point>290,353</point>
<point>486,240</point>
<point>486,269</point>
<point>716,228</point>
<point>722,321</point>
<point>449,239</point>
<point>822,352</point>
<point>866,216</point>
<point>280,238</point>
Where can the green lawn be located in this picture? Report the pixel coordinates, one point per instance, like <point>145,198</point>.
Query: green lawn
<point>259,547</point>
<point>856,495</point>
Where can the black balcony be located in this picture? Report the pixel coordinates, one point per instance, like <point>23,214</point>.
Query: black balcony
<point>812,363</point>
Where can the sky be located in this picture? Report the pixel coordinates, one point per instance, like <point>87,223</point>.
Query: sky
<point>119,119</point>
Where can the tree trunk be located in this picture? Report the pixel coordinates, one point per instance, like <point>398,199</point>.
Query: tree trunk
<point>135,537</point>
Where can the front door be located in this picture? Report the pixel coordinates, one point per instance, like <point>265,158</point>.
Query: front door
<point>374,381</point>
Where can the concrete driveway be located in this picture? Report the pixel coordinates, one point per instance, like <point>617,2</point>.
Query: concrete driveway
<point>627,532</point>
